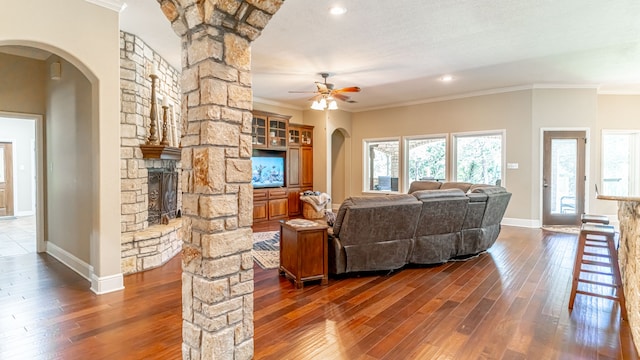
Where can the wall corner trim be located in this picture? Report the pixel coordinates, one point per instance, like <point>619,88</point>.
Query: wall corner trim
<point>106,284</point>
<point>115,5</point>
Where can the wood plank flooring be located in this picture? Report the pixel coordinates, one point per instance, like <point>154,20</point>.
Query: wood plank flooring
<point>509,303</point>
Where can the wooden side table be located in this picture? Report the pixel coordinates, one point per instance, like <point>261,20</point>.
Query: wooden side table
<point>304,252</point>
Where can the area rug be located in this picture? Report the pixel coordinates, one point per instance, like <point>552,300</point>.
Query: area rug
<point>266,249</point>
<point>567,229</point>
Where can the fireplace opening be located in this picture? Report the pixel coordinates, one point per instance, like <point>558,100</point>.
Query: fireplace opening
<point>163,195</point>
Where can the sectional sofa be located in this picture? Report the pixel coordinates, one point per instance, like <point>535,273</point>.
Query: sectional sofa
<point>433,223</point>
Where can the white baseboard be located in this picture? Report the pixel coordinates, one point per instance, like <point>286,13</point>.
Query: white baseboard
<point>99,285</point>
<point>70,260</point>
<point>527,223</point>
<point>106,284</point>
<point>25,213</point>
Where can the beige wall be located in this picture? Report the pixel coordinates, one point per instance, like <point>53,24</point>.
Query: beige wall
<point>339,157</point>
<point>68,144</point>
<point>509,111</point>
<point>523,114</point>
<point>615,112</point>
<point>562,109</point>
<point>338,192</point>
<point>22,83</point>
<point>87,36</point>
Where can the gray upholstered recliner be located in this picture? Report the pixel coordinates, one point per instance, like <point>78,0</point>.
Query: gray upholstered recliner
<point>436,222</point>
<point>373,233</point>
<point>437,236</point>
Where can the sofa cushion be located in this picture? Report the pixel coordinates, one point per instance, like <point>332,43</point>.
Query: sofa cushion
<point>478,186</point>
<point>368,200</point>
<point>424,185</point>
<point>464,186</point>
<point>437,194</point>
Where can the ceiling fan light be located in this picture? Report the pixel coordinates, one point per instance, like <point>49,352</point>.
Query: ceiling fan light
<point>333,105</point>
<point>316,106</point>
<point>323,103</point>
<point>337,10</point>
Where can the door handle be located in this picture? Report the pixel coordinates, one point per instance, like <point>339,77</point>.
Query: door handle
<point>544,183</point>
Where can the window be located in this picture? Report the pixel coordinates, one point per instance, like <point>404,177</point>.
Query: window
<point>426,158</point>
<point>478,157</point>
<point>620,169</point>
<point>382,159</point>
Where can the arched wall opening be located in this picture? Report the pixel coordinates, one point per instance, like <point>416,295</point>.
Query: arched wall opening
<point>89,49</point>
<point>340,163</point>
<point>59,96</point>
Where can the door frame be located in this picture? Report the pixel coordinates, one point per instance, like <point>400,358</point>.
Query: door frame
<point>13,189</point>
<point>40,175</point>
<point>587,167</point>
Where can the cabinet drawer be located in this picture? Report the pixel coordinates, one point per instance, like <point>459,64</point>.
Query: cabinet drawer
<point>277,193</point>
<point>260,195</point>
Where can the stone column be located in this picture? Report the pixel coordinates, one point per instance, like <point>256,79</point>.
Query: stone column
<point>217,277</point>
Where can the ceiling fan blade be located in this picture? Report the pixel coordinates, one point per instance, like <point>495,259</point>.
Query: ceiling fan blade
<point>301,92</point>
<point>322,88</point>
<point>340,97</point>
<point>347,89</point>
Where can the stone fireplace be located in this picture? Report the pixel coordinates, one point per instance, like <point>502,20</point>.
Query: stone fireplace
<point>151,186</point>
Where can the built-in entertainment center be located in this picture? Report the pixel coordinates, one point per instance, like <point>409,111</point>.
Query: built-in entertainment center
<point>282,165</point>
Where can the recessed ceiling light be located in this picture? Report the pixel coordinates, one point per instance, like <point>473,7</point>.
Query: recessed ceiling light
<point>337,10</point>
<point>446,78</point>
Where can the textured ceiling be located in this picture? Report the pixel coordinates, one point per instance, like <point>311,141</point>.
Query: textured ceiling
<point>396,50</point>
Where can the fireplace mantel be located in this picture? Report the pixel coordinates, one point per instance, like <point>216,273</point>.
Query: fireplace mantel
<point>161,152</point>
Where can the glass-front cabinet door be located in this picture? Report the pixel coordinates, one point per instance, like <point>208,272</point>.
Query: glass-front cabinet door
<point>259,131</point>
<point>294,136</point>
<point>278,133</point>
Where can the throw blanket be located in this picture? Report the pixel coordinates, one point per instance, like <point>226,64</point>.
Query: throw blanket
<point>317,201</point>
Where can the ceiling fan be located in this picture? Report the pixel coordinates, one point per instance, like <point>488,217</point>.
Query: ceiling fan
<point>326,94</point>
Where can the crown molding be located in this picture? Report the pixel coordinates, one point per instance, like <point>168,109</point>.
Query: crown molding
<point>464,95</point>
<point>115,5</point>
<point>451,97</point>
<point>619,92</point>
<point>277,103</point>
<point>483,93</point>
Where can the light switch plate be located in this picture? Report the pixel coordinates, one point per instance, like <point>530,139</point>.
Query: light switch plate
<point>512,165</point>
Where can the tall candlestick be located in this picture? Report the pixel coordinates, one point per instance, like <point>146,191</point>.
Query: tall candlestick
<point>165,102</point>
<point>164,123</point>
<point>153,139</point>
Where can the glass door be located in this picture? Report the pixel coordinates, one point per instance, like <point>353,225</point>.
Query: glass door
<point>563,177</point>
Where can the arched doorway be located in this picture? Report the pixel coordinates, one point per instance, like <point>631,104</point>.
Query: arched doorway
<point>60,93</point>
<point>340,160</point>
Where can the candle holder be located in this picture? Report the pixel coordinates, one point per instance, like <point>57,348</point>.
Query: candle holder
<point>153,139</point>
<point>164,140</point>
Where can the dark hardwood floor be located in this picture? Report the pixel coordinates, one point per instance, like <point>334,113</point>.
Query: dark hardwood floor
<point>509,303</point>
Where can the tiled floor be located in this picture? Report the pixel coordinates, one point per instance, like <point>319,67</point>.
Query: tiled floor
<point>17,235</point>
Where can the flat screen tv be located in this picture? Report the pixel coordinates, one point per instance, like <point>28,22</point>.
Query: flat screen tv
<point>267,170</point>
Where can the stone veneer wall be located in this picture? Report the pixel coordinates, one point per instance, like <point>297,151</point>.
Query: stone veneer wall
<point>217,265</point>
<point>144,247</point>
<point>629,257</point>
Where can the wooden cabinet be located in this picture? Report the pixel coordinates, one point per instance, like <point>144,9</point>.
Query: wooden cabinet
<point>304,253</point>
<point>306,167</point>
<point>269,131</point>
<point>299,165</point>
<point>270,204</point>
<point>273,132</point>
